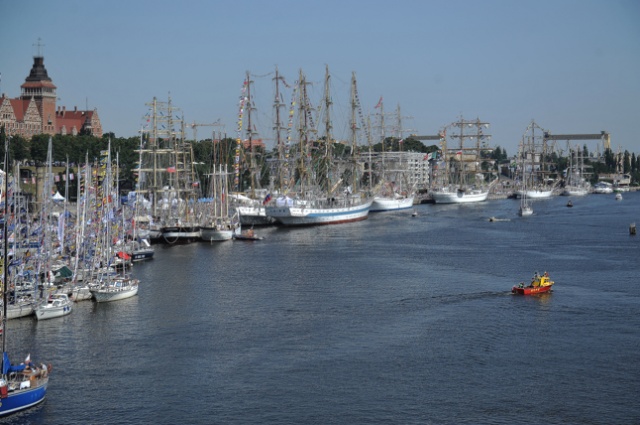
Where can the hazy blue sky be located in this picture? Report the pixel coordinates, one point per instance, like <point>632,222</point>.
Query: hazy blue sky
<point>571,65</point>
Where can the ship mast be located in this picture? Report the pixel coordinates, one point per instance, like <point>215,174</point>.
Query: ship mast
<point>327,130</point>
<point>250,133</point>
<point>354,128</point>
<point>277,105</point>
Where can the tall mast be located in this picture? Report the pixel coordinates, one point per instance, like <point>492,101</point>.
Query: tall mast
<point>382,136</point>
<point>277,105</point>
<point>250,132</point>
<point>327,130</point>
<point>354,126</point>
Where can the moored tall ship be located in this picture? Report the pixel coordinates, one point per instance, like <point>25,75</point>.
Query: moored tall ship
<point>316,198</point>
<point>536,180</point>
<point>460,178</point>
<point>166,177</point>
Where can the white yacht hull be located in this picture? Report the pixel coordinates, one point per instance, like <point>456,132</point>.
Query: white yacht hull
<point>381,204</point>
<point>525,211</point>
<point>575,191</point>
<point>15,311</point>
<point>114,294</point>
<point>459,197</point>
<point>51,311</point>
<point>536,194</point>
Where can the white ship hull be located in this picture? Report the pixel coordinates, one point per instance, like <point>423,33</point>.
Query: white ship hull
<point>212,234</point>
<point>575,191</point>
<point>537,194</point>
<point>302,215</point>
<point>56,306</point>
<point>459,197</point>
<point>253,215</point>
<point>381,204</point>
<point>114,293</point>
<point>15,311</point>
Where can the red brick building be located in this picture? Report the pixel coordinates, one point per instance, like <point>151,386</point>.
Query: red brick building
<point>35,111</point>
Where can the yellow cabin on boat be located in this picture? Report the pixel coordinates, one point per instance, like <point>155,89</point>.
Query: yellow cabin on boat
<point>542,280</point>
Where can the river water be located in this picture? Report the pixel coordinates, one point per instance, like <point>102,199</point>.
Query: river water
<point>392,320</point>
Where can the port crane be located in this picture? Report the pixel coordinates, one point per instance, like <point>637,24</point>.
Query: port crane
<point>194,126</point>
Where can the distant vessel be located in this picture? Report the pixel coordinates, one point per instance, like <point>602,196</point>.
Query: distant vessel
<point>391,203</point>
<point>393,193</point>
<point>462,180</point>
<point>525,205</point>
<point>603,188</point>
<point>575,183</point>
<point>535,182</point>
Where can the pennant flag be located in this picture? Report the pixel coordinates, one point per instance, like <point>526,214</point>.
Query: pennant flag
<point>379,103</point>
<point>171,169</point>
<point>266,199</point>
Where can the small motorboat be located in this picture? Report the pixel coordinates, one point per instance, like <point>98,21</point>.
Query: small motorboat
<point>618,196</point>
<point>539,284</point>
<point>247,235</point>
<point>569,204</point>
<point>414,213</point>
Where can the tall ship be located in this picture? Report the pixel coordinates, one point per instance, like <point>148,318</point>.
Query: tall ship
<point>392,190</point>
<point>536,182</point>
<point>219,221</point>
<point>323,186</point>
<point>575,182</point>
<point>460,178</point>
<point>166,177</point>
<point>250,203</point>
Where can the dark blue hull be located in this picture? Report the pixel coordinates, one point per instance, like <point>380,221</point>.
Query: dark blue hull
<point>22,399</point>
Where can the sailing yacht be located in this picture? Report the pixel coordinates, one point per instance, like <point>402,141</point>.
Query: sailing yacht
<point>318,200</point>
<point>108,286</point>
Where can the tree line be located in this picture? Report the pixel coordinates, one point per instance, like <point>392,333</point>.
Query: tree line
<point>76,150</point>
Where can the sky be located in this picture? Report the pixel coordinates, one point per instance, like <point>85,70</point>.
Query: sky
<point>572,66</point>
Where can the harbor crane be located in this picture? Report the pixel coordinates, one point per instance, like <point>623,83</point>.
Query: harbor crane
<point>603,136</point>
<point>195,126</point>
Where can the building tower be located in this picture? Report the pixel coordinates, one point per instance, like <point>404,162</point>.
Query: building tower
<point>39,88</point>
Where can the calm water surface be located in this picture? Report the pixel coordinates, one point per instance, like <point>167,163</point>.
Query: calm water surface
<point>396,319</point>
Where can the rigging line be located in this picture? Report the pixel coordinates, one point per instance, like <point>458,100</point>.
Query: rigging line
<point>263,75</point>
